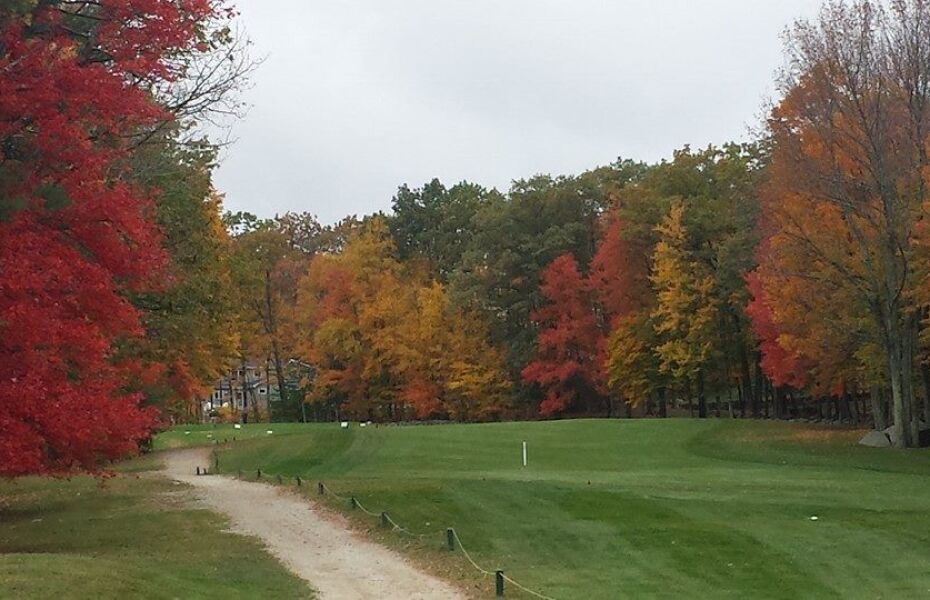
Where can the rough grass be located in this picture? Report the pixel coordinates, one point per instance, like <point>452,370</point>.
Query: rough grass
<point>127,537</point>
<point>629,509</point>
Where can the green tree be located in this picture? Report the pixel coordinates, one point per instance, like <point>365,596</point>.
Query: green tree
<point>437,224</point>
<point>191,322</point>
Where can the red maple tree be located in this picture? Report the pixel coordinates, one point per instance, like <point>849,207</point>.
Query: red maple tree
<point>75,237</point>
<point>784,368</point>
<point>619,274</point>
<point>570,341</point>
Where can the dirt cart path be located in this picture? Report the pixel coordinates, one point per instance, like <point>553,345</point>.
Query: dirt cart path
<point>319,548</point>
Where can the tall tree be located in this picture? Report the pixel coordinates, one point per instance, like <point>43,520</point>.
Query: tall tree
<point>685,314</point>
<point>568,362</point>
<point>77,82</point>
<point>847,185</point>
<point>191,325</point>
<point>516,239</point>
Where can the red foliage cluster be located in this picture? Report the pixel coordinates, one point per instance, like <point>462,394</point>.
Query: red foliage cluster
<point>570,342</point>
<point>619,280</point>
<point>74,237</point>
<point>579,314</point>
<point>780,365</point>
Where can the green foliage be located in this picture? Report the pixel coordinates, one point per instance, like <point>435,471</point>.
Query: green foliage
<point>191,323</point>
<point>437,224</point>
<point>516,238</point>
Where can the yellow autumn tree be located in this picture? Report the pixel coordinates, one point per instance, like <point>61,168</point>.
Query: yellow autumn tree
<point>385,342</point>
<point>685,315</point>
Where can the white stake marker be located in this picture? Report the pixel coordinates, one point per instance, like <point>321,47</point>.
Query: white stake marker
<point>524,454</point>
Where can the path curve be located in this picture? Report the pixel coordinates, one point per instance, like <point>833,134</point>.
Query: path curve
<point>320,548</point>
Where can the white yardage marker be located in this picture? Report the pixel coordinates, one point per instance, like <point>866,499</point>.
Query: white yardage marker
<point>524,454</point>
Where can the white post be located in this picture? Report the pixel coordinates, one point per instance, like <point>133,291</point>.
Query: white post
<point>524,454</point>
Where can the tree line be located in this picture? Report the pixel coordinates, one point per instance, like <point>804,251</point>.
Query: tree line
<point>783,277</point>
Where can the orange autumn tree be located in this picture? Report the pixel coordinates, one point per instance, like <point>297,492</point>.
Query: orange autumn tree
<point>385,341</point>
<point>846,191</point>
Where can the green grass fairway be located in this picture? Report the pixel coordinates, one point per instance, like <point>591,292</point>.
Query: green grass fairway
<point>184,436</point>
<point>631,509</point>
<point>129,538</point>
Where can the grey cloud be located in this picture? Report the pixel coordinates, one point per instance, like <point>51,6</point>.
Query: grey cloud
<point>357,97</point>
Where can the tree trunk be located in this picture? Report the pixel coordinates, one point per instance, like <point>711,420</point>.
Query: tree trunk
<point>745,382</point>
<point>900,410</point>
<point>245,399</point>
<point>878,408</point>
<point>766,396</point>
<point>756,392</point>
<point>898,346</point>
<point>779,403</point>
<point>663,403</point>
<point>702,399</point>
<point>925,377</point>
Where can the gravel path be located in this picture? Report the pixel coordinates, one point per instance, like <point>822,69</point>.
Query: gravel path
<point>320,548</point>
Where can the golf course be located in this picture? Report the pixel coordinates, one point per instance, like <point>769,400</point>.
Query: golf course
<point>616,508</point>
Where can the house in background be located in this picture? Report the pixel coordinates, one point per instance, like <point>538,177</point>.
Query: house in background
<point>244,389</point>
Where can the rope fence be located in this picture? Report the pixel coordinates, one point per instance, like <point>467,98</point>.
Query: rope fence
<point>396,527</point>
<point>525,589</point>
<point>467,555</point>
<point>452,536</point>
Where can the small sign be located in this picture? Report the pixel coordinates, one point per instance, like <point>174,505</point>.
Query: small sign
<point>345,424</point>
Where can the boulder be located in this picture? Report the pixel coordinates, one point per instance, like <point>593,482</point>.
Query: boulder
<point>876,439</point>
<point>889,431</point>
<point>923,437</point>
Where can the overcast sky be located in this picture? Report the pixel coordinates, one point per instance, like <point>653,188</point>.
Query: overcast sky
<point>359,96</point>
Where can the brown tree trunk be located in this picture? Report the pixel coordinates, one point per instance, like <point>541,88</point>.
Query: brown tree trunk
<point>878,408</point>
<point>757,388</point>
<point>745,382</point>
<point>925,378</point>
<point>779,403</point>
<point>702,399</point>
